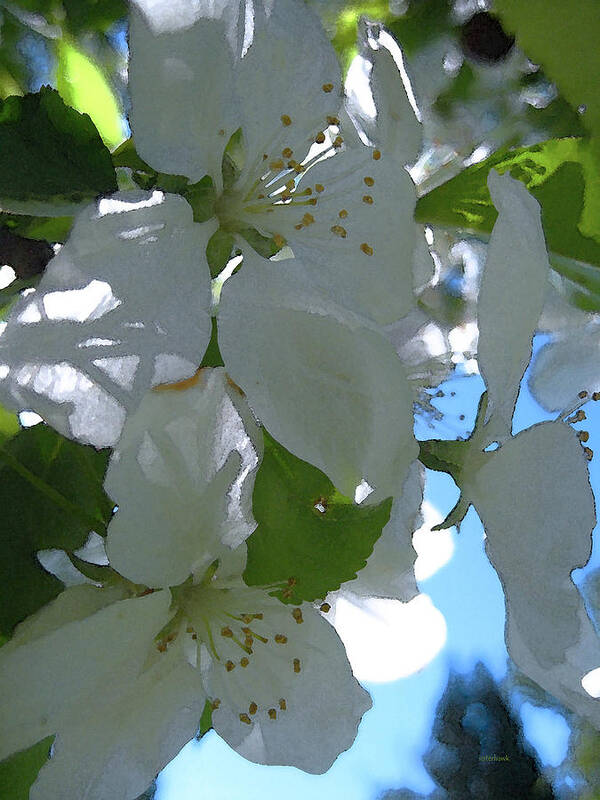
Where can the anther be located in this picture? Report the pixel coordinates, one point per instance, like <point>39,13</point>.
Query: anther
<point>227,633</point>
<point>308,219</point>
<point>246,619</point>
<point>161,647</point>
<point>331,120</point>
<point>194,636</point>
<point>265,156</point>
<point>290,184</point>
<point>325,607</point>
<point>327,87</point>
<point>272,713</point>
<point>320,137</point>
<point>338,141</point>
<point>258,616</point>
<point>260,196</point>
<point>280,638</point>
<point>582,394</point>
<point>282,704</point>
<point>229,666</point>
<point>367,199</point>
<point>339,231</point>
<point>320,188</point>
<point>215,704</point>
<point>286,120</point>
<point>589,453</point>
<point>249,641</point>
<point>369,180</point>
<point>376,155</point>
<point>596,396</point>
<point>245,718</point>
<point>279,240</point>
<point>221,132</point>
<point>252,708</point>
<point>583,436</point>
<point>278,164</point>
<point>343,214</point>
<point>312,201</point>
<point>287,152</point>
<point>297,615</point>
<point>299,226</point>
<point>189,629</point>
<point>367,249</point>
<point>244,662</point>
<point>296,665</point>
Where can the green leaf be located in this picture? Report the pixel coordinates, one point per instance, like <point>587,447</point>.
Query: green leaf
<point>83,85</point>
<point>18,772</point>
<point>50,151</point>
<point>205,720</point>
<point>51,496</point>
<point>563,38</point>
<point>212,356</point>
<point>552,171</point>
<point>9,425</point>
<point>319,550</point>
<point>423,22</point>
<point>218,251</point>
<point>51,229</point>
<point>93,15</point>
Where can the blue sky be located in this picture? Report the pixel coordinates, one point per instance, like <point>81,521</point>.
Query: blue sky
<point>395,733</point>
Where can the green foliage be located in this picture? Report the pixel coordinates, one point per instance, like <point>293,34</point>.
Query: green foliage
<point>218,251</point>
<point>205,720</point>
<point>49,229</point>
<point>18,772</point>
<point>423,22</point>
<point>552,171</point>
<point>563,37</point>
<point>96,15</point>
<point>9,425</point>
<point>49,151</point>
<point>294,539</point>
<point>51,496</point>
<point>212,356</point>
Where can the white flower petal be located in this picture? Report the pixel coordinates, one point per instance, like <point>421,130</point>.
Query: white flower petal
<point>282,76</point>
<point>565,367</point>
<point>394,126</point>
<point>114,750</point>
<point>359,245</point>
<point>182,477</point>
<point>534,499</point>
<point>181,84</point>
<point>322,702</point>
<point>47,680</point>
<point>512,293</point>
<point>122,307</point>
<point>331,391</point>
<point>390,568</point>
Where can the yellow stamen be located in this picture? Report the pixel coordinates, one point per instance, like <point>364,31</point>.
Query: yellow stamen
<point>339,231</point>
<point>227,633</point>
<point>244,662</point>
<point>287,152</point>
<point>245,718</point>
<point>367,199</point>
<point>367,249</point>
<point>325,607</point>
<point>376,155</point>
<point>215,704</point>
<point>297,615</point>
<point>252,708</point>
<point>369,180</point>
<point>286,120</point>
<point>308,219</point>
<point>280,638</point>
<point>319,187</point>
<point>327,87</point>
<point>296,665</point>
<point>279,240</point>
<point>229,666</point>
<point>272,713</point>
<point>278,164</point>
<point>332,120</point>
<point>320,137</point>
<point>282,704</point>
<point>338,141</point>
<point>343,214</point>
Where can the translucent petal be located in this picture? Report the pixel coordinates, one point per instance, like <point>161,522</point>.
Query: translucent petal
<point>390,568</point>
<point>283,707</point>
<point>117,750</point>
<point>47,680</point>
<point>565,367</point>
<point>182,477</point>
<point>287,83</point>
<point>332,391</point>
<point>512,293</point>
<point>535,501</point>
<point>181,84</point>
<point>357,242</point>
<point>122,307</point>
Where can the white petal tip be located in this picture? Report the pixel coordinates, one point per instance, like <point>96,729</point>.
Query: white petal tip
<point>591,682</point>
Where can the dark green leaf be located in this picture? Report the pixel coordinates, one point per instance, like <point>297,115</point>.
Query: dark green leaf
<point>205,720</point>
<point>423,22</point>
<point>218,251</point>
<point>18,772</point>
<point>50,151</point>
<point>294,539</point>
<point>93,15</point>
<point>213,357</point>
<point>264,245</point>
<point>51,496</point>
<point>52,229</point>
<point>201,196</point>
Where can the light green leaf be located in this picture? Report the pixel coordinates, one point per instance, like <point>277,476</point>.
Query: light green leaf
<point>307,531</point>
<point>51,496</point>
<point>83,85</point>
<point>9,425</point>
<point>218,251</point>
<point>563,37</point>
<point>551,171</point>
<point>18,772</point>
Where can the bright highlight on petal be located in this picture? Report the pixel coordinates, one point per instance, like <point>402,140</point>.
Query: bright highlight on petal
<point>434,548</point>
<point>386,639</point>
<point>591,682</point>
